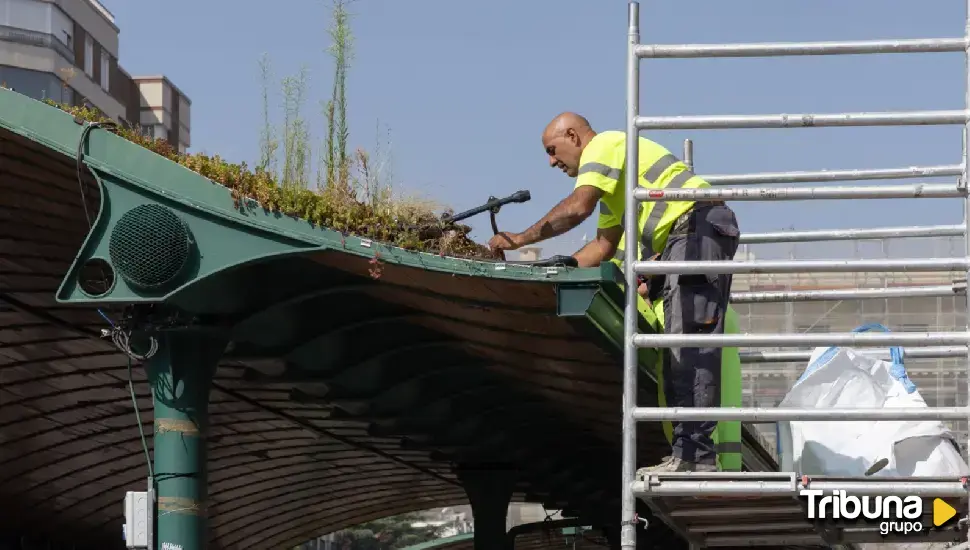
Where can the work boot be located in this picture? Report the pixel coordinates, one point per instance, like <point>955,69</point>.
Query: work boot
<point>672,464</point>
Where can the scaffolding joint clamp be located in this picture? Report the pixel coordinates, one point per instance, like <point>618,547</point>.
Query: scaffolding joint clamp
<point>637,520</point>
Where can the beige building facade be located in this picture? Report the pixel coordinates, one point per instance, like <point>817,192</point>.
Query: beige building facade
<point>67,51</point>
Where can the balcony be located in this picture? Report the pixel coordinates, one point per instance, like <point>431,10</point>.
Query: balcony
<point>34,38</point>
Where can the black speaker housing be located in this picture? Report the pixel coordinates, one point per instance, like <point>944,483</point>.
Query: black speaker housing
<point>151,248</point>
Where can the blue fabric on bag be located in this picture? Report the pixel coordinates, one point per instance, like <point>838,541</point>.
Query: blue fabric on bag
<point>897,370</point>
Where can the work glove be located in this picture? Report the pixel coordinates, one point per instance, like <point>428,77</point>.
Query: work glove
<point>655,283</point>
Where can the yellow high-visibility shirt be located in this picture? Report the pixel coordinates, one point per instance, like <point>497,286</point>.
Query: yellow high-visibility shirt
<point>603,165</point>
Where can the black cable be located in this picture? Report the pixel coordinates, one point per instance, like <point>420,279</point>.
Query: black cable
<point>118,336</point>
<point>141,427</point>
<point>80,159</point>
<point>79,162</point>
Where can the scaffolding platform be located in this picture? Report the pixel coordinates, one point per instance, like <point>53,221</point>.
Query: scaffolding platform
<point>765,509</point>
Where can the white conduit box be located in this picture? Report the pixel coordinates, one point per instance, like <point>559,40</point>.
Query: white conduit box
<point>136,520</point>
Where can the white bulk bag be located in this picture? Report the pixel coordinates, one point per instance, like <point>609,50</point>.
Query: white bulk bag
<point>843,378</point>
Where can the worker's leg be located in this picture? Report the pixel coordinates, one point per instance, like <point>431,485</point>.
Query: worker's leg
<point>696,304</point>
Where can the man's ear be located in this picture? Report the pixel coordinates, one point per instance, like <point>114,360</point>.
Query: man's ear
<point>572,136</point>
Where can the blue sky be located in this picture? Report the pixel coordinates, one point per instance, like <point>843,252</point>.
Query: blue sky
<point>467,87</point>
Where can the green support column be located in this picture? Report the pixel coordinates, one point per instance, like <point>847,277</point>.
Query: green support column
<point>489,492</point>
<point>180,374</point>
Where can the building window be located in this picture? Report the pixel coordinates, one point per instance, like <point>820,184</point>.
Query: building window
<point>148,130</point>
<point>35,84</point>
<point>62,27</point>
<point>89,56</point>
<point>105,69</point>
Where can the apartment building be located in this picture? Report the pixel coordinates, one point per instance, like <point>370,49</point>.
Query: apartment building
<point>67,50</point>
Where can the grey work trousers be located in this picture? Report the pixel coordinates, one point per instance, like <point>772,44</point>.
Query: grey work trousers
<point>697,304</point>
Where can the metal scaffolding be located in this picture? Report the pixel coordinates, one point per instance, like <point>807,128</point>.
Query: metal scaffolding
<point>743,188</point>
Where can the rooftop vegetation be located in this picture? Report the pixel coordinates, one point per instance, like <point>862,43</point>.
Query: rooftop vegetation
<point>350,192</point>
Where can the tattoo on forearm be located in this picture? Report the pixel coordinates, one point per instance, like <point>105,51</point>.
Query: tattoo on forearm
<point>557,226</point>
<point>550,227</point>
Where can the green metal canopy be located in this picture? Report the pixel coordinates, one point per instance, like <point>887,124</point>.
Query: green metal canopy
<point>302,380</point>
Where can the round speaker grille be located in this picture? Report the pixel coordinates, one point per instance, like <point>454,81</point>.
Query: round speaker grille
<point>150,246</point>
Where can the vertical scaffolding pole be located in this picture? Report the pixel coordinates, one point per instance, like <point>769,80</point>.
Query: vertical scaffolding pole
<point>628,535</point>
<point>964,182</point>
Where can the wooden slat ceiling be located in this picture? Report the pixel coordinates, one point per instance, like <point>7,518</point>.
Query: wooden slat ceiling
<point>281,469</point>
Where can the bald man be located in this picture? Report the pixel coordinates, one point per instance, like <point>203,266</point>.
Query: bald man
<point>669,231</point>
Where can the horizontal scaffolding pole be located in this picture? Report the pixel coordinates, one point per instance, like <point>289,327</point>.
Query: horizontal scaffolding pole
<point>934,291</point>
<point>713,122</point>
<point>937,352</point>
<point>820,176</point>
<point>802,266</point>
<point>853,234</point>
<point>909,191</point>
<point>785,540</point>
<point>769,525</point>
<point>737,488</point>
<point>847,536</point>
<point>792,477</point>
<point>718,488</point>
<point>842,339</point>
<point>732,512</point>
<point>774,414</point>
<point>777,49</point>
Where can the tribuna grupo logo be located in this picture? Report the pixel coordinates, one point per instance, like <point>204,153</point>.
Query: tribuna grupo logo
<point>900,515</point>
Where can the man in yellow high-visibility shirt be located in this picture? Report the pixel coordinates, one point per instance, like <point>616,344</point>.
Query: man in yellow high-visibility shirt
<point>669,231</point>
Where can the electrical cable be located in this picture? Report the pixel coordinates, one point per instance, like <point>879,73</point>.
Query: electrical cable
<point>119,337</point>
<point>141,427</point>
<point>79,168</point>
<point>80,159</point>
<point>106,318</point>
